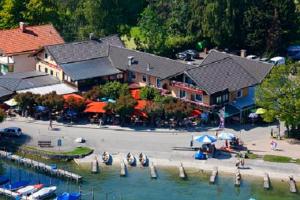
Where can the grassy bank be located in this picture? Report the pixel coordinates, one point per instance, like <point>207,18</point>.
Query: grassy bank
<point>280,159</point>
<point>78,151</point>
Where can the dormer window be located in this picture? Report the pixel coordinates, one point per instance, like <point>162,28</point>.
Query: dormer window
<point>239,93</point>
<point>46,55</point>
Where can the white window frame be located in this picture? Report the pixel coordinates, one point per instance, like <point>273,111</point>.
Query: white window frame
<point>197,99</point>
<point>184,92</point>
<point>146,77</point>
<point>239,92</point>
<point>158,85</point>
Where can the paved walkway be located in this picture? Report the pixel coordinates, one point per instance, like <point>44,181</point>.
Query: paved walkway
<point>158,144</point>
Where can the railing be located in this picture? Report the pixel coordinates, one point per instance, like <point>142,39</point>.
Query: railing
<point>187,87</point>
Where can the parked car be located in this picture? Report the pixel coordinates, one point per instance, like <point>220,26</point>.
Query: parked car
<point>181,56</point>
<point>12,131</point>
<point>277,60</point>
<point>252,57</point>
<point>194,54</point>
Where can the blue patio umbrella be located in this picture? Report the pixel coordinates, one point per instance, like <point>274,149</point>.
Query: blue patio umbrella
<point>111,101</point>
<point>205,139</point>
<point>71,113</point>
<point>226,136</point>
<point>41,108</point>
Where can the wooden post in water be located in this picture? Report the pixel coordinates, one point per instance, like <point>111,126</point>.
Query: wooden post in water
<point>266,181</point>
<point>94,166</point>
<point>153,171</point>
<point>238,178</point>
<point>292,184</point>
<point>123,169</point>
<point>182,173</point>
<point>213,175</point>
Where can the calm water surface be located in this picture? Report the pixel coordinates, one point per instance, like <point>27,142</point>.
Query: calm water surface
<point>138,185</point>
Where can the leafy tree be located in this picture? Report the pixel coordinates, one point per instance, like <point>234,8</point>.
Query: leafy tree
<point>27,101</point>
<point>2,115</point>
<point>52,101</point>
<point>75,104</point>
<point>176,109</point>
<point>115,89</point>
<point>94,94</point>
<point>154,111</point>
<point>124,107</point>
<point>10,13</point>
<point>149,93</point>
<point>279,94</point>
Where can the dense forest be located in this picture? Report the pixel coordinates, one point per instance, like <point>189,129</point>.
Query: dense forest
<point>167,26</point>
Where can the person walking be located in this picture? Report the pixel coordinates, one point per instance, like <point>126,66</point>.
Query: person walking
<point>50,124</point>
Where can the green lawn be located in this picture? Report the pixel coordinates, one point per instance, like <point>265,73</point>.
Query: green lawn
<point>76,151</point>
<point>280,159</point>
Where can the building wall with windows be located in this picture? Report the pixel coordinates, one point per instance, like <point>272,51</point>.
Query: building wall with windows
<point>46,64</point>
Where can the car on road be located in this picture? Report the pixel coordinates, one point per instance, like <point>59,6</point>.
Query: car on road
<point>194,54</point>
<point>11,131</point>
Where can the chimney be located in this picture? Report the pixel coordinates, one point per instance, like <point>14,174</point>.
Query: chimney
<point>22,26</point>
<point>148,67</point>
<point>92,36</point>
<point>243,53</point>
<point>205,50</point>
<point>130,60</point>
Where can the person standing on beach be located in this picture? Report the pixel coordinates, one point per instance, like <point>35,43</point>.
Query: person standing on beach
<point>50,124</point>
<point>237,163</point>
<point>192,142</point>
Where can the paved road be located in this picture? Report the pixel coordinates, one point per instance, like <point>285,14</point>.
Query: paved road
<point>159,145</point>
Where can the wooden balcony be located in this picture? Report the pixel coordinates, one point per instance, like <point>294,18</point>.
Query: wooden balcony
<point>187,87</point>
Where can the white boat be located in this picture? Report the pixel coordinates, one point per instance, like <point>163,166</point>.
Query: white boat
<point>43,193</point>
<point>131,159</point>
<point>143,159</point>
<point>106,157</point>
<point>30,189</point>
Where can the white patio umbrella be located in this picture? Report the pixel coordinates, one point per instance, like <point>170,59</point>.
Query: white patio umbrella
<point>11,102</point>
<point>226,136</point>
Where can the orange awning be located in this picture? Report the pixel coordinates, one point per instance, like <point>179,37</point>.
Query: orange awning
<point>135,93</point>
<point>141,104</point>
<point>74,96</point>
<point>95,107</point>
<point>196,113</point>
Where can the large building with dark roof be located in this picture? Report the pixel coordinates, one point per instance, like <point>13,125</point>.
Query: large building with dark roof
<point>221,78</point>
<point>80,64</point>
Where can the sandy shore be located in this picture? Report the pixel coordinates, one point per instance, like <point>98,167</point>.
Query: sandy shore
<point>254,168</point>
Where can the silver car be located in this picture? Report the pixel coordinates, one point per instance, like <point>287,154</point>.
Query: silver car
<point>12,131</point>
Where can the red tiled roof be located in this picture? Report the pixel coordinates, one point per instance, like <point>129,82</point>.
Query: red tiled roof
<point>14,41</point>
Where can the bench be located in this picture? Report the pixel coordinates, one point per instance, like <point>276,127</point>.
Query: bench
<point>45,144</point>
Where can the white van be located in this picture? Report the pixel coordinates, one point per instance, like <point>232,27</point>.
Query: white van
<point>277,60</point>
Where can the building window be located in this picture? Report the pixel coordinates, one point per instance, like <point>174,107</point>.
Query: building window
<point>46,70</point>
<point>144,78</point>
<point>199,97</point>
<point>132,75</point>
<point>158,83</point>
<point>51,72</point>
<point>46,55</point>
<point>182,94</point>
<point>39,66</point>
<point>56,74</point>
<point>225,97</point>
<point>219,99</point>
<point>239,93</point>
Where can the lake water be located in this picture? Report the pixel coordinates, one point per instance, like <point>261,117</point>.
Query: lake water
<point>137,185</point>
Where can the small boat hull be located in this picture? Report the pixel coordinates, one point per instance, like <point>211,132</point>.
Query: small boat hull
<point>43,193</point>
<point>143,159</point>
<point>30,189</point>
<point>107,158</point>
<point>131,159</point>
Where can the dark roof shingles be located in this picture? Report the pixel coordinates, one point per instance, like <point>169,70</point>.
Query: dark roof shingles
<point>89,69</point>
<point>160,67</point>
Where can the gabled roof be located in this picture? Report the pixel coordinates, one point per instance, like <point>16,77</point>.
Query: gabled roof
<point>221,71</point>
<point>25,80</point>
<point>89,69</point>
<point>84,50</point>
<point>146,63</point>
<point>14,41</point>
